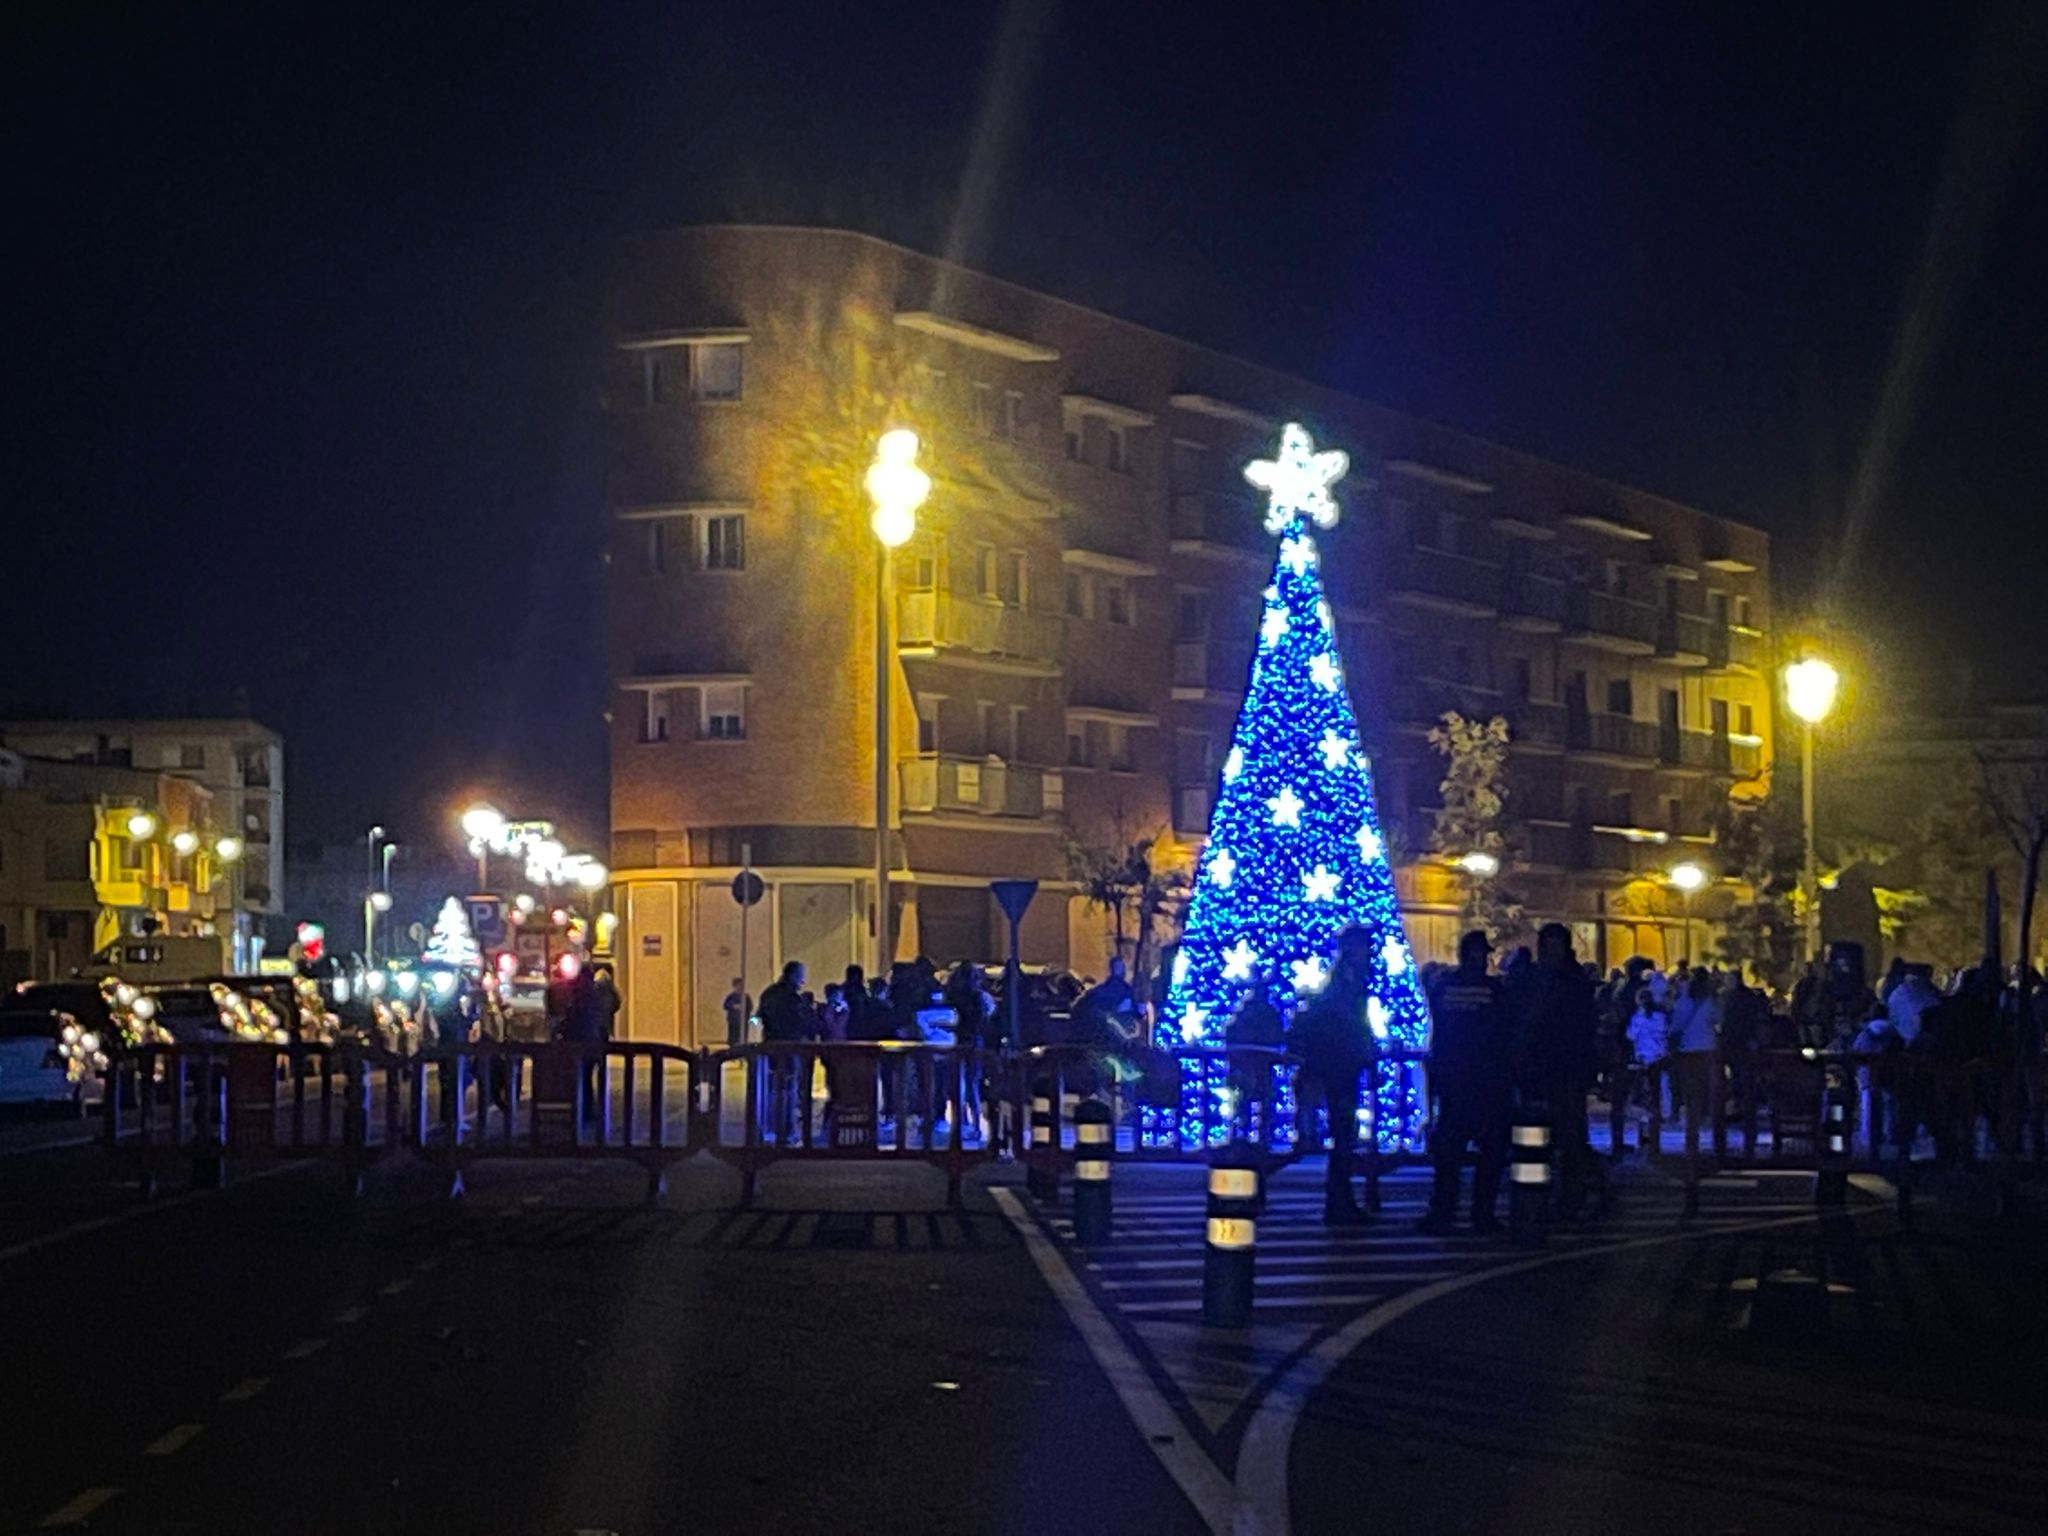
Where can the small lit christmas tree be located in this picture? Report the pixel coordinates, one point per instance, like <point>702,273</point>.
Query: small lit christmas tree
<point>451,942</point>
<point>1295,854</point>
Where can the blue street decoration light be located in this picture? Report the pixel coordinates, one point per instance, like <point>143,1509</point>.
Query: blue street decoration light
<point>1295,854</point>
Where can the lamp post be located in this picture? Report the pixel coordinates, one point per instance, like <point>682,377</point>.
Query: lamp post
<point>1689,878</point>
<point>373,903</point>
<point>898,488</point>
<point>481,823</point>
<point>1810,685</point>
<point>370,840</point>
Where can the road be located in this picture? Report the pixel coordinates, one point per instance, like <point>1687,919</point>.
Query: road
<point>551,1355</point>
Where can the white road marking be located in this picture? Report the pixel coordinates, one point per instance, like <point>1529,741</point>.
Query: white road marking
<point>351,1315</point>
<point>1206,1488</point>
<point>305,1349</point>
<point>394,1288</point>
<point>173,1441</point>
<point>78,1510</point>
<point>245,1390</point>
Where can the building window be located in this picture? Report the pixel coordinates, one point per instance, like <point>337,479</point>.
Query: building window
<point>1013,415</point>
<point>1116,599</point>
<point>1077,747</point>
<point>924,564</point>
<point>928,724</point>
<point>985,409</point>
<point>1189,467</point>
<point>724,716</point>
<point>1461,664</point>
<point>725,542</point>
<point>1521,679</point>
<point>987,573</point>
<point>1116,453</point>
<point>1117,741</point>
<point>1190,616</point>
<point>668,544</point>
<point>66,858</point>
<point>1077,595</point>
<point>1017,752</point>
<point>1077,439</point>
<point>653,381</point>
<point>1674,815</point>
<point>1621,809</point>
<point>1620,697</point>
<point>191,755</point>
<point>1742,611</point>
<point>654,722</point>
<point>1016,579</point>
<point>1745,719</point>
<point>716,370</point>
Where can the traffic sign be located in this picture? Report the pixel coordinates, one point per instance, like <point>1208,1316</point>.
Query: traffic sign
<point>1013,896</point>
<point>747,888</point>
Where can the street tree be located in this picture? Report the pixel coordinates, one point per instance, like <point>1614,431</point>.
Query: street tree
<point>1469,824</point>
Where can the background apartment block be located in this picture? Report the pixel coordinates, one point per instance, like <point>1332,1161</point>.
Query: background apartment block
<point>238,761</point>
<point>1074,622</point>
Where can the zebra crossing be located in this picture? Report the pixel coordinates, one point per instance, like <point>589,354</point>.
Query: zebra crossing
<point>1310,1274</point>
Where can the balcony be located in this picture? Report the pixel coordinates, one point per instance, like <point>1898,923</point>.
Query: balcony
<point>1612,623</point>
<point>1690,639</point>
<point>1205,672</point>
<point>1745,649</point>
<point>939,624</point>
<point>1535,725</point>
<point>979,786</point>
<point>1599,850</point>
<point>1616,737</point>
<point>1536,605</point>
<point>1444,583</point>
<point>1221,527</point>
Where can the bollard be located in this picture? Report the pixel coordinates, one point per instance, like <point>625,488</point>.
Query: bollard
<point>1231,1237</point>
<point>1529,1178</point>
<point>1092,1131</point>
<point>1833,1138</point>
<point>1042,1171</point>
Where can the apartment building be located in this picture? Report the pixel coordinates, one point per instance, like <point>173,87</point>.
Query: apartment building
<point>1068,635</point>
<point>237,760</point>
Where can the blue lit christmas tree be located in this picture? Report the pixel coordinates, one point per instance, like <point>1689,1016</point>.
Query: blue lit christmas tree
<point>1295,854</point>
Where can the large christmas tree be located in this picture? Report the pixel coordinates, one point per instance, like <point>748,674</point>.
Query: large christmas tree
<point>1295,854</point>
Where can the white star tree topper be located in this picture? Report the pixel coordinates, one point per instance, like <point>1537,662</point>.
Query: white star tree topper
<point>1297,480</point>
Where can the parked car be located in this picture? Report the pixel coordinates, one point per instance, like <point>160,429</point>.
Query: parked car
<point>190,1014</point>
<point>48,1057</point>
<point>85,1001</point>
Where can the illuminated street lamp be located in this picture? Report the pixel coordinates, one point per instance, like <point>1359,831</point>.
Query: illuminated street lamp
<point>897,487</point>
<point>1688,878</point>
<point>142,826</point>
<point>1810,685</point>
<point>480,824</point>
<point>375,902</point>
<point>185,844</point>
<point>227,849</point>
<point>1480,864</point>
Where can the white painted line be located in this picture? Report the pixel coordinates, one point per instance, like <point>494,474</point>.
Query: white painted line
<point>173,1441</point>
<point>1352,1256</point>
<point>351,1315</point>
<point>1261,1493</point>
<point>426,1264</point>
<point>141,1208</point>
<point>245,1390</point>
<point>83,1139</point>
<point>78,1510</point>
<point>1206,1488</point>
<point>1263,1304</point>
<point>305,1349</point>
<point>394,1288</point>
<point>1267,1284</point>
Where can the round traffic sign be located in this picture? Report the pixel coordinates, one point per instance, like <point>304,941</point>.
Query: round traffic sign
<point>747,888</point>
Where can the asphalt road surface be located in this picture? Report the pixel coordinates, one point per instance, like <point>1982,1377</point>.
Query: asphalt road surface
<point>552,1355</point>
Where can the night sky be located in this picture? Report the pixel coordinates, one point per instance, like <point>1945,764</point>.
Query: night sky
<point>296,297</point>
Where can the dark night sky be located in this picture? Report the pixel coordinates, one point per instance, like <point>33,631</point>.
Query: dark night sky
<point>291,293</point>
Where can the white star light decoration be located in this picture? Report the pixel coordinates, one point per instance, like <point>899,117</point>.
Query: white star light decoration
<point>1286,807</point>
<point>1191,1024</point>
<point>1298,553</point>
<point>1233,765</point>
<point>1369,845</point>
<point>1395,954</point>
<point>1273,628</point>
<point>1238,961</point>
<point>1320,884</point>
<point>1376,1017</point>
<point>1297,480</point>
<point>1323,671</point>
<point>1221,868</point>
<point>1180,968</point>
<point>1310,975</point>
<point>1335,750</point>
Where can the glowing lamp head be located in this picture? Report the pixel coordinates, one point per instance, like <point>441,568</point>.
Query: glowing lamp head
<point>444,983</point>
<point>522,903</point>
<point>568,967</point>
<point>141,825</point>
<point>1689,877</point>
<point>592,875</point>
<point>896,486</point>
<point>228,849</point>
<point>380,901</point>
<point>481,823</point>
<point>185,844</point>
<point>1480,863</point>
<point>1810,685</point>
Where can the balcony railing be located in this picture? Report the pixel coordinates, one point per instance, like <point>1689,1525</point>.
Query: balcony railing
<point>1433,578</point>
<point>1203,667</point>
<point>1690,639</point>
<point>1745,648</point>
<point>938,621</point>
<point>1610,735</point>
<point>1709,752</point>
<point>1599,849</point>
<point>1535,723</point>
<point>1204,517</point>
<point>980,786</point>
<point>1534,602</point>
<point>1602,616</point>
